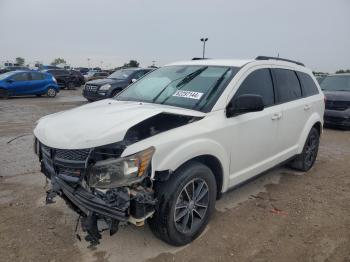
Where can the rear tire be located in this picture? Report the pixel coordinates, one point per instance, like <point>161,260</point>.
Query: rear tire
<point>305,160</point>
<point>51,92</point>
<point>182,213</point>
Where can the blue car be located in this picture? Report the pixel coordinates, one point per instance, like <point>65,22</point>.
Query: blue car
<point>19,83</point>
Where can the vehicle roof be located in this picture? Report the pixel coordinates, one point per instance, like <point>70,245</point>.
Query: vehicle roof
<point>240,63</point>
<point>214,62</point>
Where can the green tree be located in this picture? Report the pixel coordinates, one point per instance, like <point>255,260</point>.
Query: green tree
<point>342,71</point>
<point>20,61</point>
<point>132,63</point>
<point>58,61</point>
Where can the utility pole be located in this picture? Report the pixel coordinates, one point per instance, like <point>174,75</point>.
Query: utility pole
<point>204,40</point>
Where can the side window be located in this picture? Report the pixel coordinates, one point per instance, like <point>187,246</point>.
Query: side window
<point>258,82</point>
<point>21,77</point>
<point>37,76</point>
<point>64,72</point>
<point>52,72</point>
<point>307,84</point>
<point>287,85</point>
<point>138,74</point>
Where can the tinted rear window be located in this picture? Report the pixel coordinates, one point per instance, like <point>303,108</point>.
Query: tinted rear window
<point>287,85</point>
<point>307,84</point>
<point>258,83</point>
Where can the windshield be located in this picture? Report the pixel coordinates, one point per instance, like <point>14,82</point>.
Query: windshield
<point>192,87</point>
<point>121,74</point>
<point>336,83</point>
<point>6,75</point>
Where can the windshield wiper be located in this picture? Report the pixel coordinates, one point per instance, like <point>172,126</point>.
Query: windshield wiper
<point>188,78</point>
<point>213,89</point>
<point>191,76</point>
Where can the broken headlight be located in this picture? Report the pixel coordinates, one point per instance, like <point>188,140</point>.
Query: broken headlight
<point>118,172</point>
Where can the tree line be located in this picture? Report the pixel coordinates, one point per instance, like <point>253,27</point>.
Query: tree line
<point>57,61</point>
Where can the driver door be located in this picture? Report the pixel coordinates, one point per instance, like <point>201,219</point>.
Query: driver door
<point>20,83</point>
<point>253,148</point>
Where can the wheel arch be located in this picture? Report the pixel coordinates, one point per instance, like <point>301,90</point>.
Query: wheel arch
<point>215,166</point>
<point>206,152</point>
<point>314,121</point>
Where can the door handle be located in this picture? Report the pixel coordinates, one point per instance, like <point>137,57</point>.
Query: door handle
<point>307,107</point>
<point>276,116</point>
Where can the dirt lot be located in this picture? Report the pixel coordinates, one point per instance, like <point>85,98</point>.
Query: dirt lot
<point>280,216</point>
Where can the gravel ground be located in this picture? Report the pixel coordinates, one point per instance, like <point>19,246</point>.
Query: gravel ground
<point>312,222</point>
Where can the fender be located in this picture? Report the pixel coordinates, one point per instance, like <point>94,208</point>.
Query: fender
<point>314,118</point>
<point>189,150</point>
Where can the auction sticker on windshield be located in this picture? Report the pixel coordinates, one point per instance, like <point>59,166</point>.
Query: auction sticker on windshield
<point>188,94</point>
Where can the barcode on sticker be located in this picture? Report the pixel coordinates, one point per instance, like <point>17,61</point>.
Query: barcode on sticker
<point>188,94</point>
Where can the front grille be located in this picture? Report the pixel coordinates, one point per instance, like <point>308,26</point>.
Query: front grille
<point>337,105</point>
<point>67,162</point>
<point>75,154</point>
<point>90,88</point>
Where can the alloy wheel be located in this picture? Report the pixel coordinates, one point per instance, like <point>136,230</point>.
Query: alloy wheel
<point>191,206</point>
<point>311,149</point>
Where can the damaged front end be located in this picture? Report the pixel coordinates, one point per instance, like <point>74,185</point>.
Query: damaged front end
<point>100,185</point>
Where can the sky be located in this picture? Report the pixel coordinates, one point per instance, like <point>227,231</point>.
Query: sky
<point>111,32</point>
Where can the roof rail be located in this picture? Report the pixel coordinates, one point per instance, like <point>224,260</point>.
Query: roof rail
<point>199,58</point>
<point>278,58</point>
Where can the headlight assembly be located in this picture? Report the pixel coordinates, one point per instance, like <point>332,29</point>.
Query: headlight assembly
<point>117,172</point>
<point>105,87</point>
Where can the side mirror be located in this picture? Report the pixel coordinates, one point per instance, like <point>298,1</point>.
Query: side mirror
<point>133,80</point>
<point>244,104</point>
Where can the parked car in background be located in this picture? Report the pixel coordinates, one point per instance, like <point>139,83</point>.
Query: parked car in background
<point>79,75</point>
<point>113,84</point>
<point>65,78</point>
<point>169,145</point>
<point>337,91</point>
<point>13,68</point>
<point>320,79</point>
<point>82,70</point>
<point>46,67</point>
<point>93,75</point>
<point>17,83</point>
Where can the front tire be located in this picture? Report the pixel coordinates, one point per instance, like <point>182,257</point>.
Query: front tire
<point>51,92</point>
<point>185,204</point>
<point>307,158</point>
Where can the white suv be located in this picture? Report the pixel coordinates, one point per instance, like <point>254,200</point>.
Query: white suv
<point>165,148</point>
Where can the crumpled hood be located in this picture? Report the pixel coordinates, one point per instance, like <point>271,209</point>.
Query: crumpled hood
<point>98,123</point>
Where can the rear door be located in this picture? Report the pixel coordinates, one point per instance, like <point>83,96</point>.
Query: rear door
<point>294,113</point>
<point>37,82</point>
